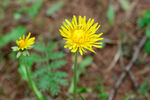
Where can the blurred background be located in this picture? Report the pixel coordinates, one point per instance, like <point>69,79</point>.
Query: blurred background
<point>123,22</point>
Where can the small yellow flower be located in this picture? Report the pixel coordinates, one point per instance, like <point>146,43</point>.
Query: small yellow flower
<point>81,35</point>
<point>25,43</point>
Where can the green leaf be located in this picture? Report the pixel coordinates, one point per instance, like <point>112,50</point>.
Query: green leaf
<point>81,97</point>
<point>111,15</point>
<point>22,72</point>
<point>125,98</point>
<point>84,90</point>
<point>17,16</point>
<point>144,88</point>
<point>3,93</point>
<point>18,54</point>
<point>147,46</point>
<point>103,96</point>
<point>86,62</point>
<point>23,10</point>
<point>147,15</point>
<point>102,88</point>
<point>15,48</point>
<point>147,32</point>
<point>42,48</point>
<point>13,35</point>
<point>141,22</point>
<point>54,8</point>
<point>57,64</point>
<point>125,4</point>
<point>35,9</point>
<point>56,55</point>
<point>32,12</point>
<point>46,76</point>
<point>145,20</point>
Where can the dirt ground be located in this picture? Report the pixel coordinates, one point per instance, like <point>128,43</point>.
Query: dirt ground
<point>125,22</point>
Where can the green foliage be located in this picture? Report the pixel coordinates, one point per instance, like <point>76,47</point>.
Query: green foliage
<point>32,12</point>
<point>145,20</point>
<point>46,75</point>
<point>82,66</point>
<point>83,90</point>
<point>125,98</point>
<point>147,31</point>
<point>81,97</point>
<point>125,4</point>
<point>147,46</point>
<point>3,93</point>
<point>13,35</point>
<point>35,9</point>
<point>54,8</point>
<point>103,95</point>
<point>144,88</point>
<point>111,15</point>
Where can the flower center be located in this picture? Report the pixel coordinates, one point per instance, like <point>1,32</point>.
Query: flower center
<point>78,36</point>
<point>22,44</point>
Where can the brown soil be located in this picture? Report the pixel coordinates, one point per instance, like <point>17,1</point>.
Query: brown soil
<point>17,89</point>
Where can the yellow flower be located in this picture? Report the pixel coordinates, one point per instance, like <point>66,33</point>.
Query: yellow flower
<point>81,35</point>
<point>25,43</point>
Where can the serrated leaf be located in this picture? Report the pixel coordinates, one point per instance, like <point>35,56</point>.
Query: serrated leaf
<point>125,4</point>
<point>111,15</point>
<point>57,64</point>
<point>42,48</point>
<point>56,55</point>
<point>54,8</point>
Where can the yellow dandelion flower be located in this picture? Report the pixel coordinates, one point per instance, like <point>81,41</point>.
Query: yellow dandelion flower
<point>25,43</point>
<point>81,35</point>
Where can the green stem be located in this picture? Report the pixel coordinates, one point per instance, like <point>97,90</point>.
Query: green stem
<point>75,76</point>
<point>37,93</point>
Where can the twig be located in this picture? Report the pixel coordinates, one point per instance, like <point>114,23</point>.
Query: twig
<point>128,67</point>
<point>144,71</point>
<point>112,64</point>
<point>135,83</point>
<point>111,41</point>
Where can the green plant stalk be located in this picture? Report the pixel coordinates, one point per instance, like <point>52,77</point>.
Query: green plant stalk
<point>37,93</point>
<point>75,76</point>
